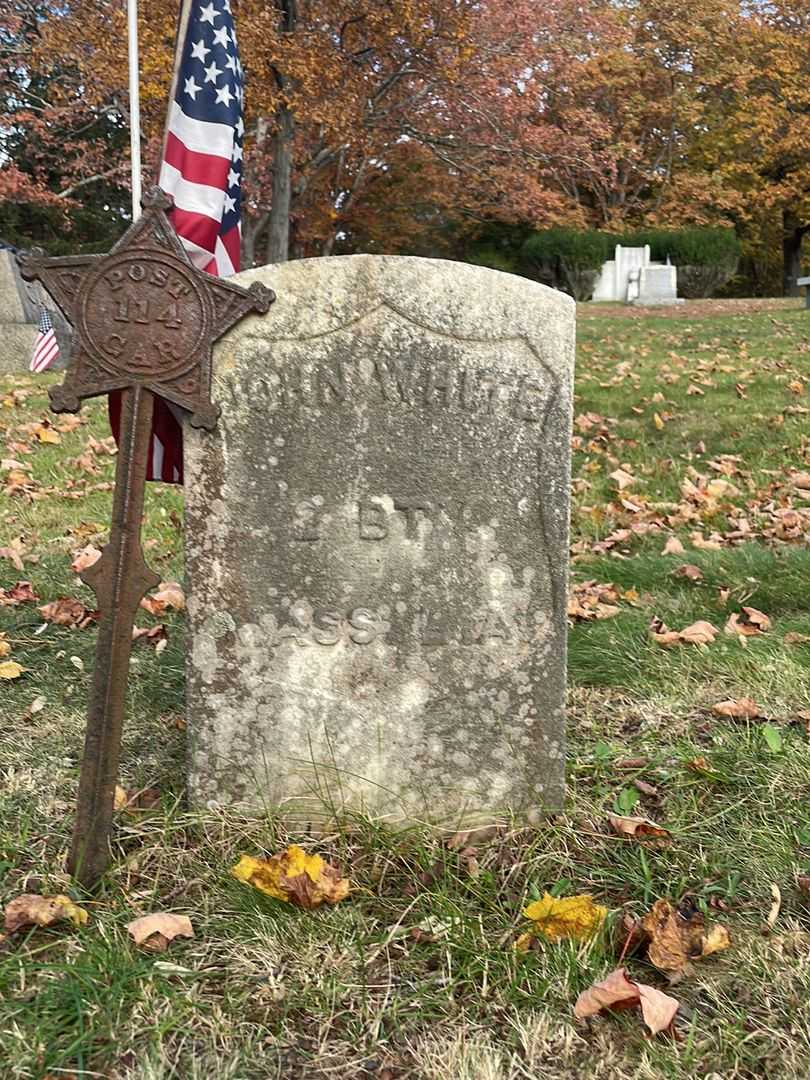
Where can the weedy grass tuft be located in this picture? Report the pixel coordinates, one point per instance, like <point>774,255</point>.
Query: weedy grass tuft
<point>416,974</point>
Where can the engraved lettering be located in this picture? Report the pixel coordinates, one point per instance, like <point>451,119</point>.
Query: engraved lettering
<point>115,344</point>
<point>331,381</point>
<point>494,625</point>
<point>115,279</point>
<point>178,288</point>
<point>371,520</point>
<point>307,520</point>
<point>158,276</point>
<point>299,629</point>
<point>136,271</point>
<point>166,350</point>
<point>170,317</point>
<point>130,310</point>
<point>411,509</point>
<point>528,400</point>
<point>292,384</point>
<point>468,389</point>
<point>397,379</point>
<point>432,631</point>
<point>364,626</point>
<point>326,626</point>
<point>440,382</point>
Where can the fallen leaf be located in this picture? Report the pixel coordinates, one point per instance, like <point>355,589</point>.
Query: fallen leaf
<point>10,669</point>
<point>657,1008</point>
<point>742,709</point>
<point>662,635</point>
<point>803,881</point>
<point>673,546</point>
<point>636,826</point>
<point>747,623</point>
<point>293,876</point>
<point>155,931</point>
<point>133,799</point>
<point>20,593</point>
<point>68,612</point>
<point>33,910</point>
<point>699,633</point>
<point>592,600</point>
<point>616,991</point>
<point>689,571</point>
<point>155,635</point>
<point>84,558</point>
<point>576,917</point>
<point>793,637</point>
<point>46,434</point>
<point>801,480</point>
<point>658,421</point>
<point>168,595</point>
<point>14,554</point>
<point>776,906</point>
<point>676,938</point>
<point>622,479</point>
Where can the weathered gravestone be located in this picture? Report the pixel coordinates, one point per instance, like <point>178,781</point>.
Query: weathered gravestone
<point>377,545</point>
<point>20,305</point>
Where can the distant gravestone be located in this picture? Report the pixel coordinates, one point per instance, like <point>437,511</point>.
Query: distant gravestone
<point>20,305</point>
<point>376,541</point>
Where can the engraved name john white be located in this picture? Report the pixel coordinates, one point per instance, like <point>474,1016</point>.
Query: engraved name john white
<point>404,382</point>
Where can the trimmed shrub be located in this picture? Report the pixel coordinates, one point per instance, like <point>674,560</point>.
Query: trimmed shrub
<point>493,257</point>
<point>706,258</point>
<point>568,259</point>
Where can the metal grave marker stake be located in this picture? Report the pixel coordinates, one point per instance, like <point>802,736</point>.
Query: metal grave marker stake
<point>144,321</point>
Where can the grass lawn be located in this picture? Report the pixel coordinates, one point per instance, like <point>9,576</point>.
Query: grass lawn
<point>691,426</point>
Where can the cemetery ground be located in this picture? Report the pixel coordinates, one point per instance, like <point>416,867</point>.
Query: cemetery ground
<point>691,507</point>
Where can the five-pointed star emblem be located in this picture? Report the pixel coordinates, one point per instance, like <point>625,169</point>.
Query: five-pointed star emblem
<point>143,315</point>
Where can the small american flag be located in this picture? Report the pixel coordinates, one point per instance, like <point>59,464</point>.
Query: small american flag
<point>202,170</point>
<point>46,347</point>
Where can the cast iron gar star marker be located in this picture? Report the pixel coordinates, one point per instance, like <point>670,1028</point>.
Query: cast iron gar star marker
<point>144,320</point>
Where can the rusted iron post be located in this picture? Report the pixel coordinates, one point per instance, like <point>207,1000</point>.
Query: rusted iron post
<point>119,578</point>
<point>144,322</point>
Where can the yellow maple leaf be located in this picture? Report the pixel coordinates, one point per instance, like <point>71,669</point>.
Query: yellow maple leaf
<point>47,435</point>
<point>576,917</point>
<point>11,670</point>
<point>5,647</point>
<point>293,876</point>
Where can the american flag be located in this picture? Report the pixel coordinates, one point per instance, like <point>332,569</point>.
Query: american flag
<point>46,347</point>
<point>202,170</point>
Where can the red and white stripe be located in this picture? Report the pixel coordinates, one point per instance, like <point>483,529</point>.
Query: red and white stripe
<point>46,347</point>
<point>197,159</point>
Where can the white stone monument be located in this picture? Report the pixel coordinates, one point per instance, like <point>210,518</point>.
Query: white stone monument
<point>630,277</point>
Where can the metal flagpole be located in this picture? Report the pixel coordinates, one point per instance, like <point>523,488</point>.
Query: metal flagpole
<point>134,108</point>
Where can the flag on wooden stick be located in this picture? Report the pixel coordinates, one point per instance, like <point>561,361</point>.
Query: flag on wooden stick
<point>46,347</point>
<point>201,168</point>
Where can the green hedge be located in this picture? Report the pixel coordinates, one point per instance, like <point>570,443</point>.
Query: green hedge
<point>687,247</point>
<point>571,259</point>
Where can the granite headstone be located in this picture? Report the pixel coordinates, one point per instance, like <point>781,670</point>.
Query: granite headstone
<point>376,540</point>
<point>20,306</point>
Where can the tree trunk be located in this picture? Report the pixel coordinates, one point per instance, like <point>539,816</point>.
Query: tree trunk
<point>251,229</point>
<point>278,234</point>
<point>792,237</point>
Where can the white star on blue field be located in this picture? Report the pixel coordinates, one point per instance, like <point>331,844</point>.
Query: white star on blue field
<point>210,86</point>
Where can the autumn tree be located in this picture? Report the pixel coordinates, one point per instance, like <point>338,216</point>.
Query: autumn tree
<point>755,143</point>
